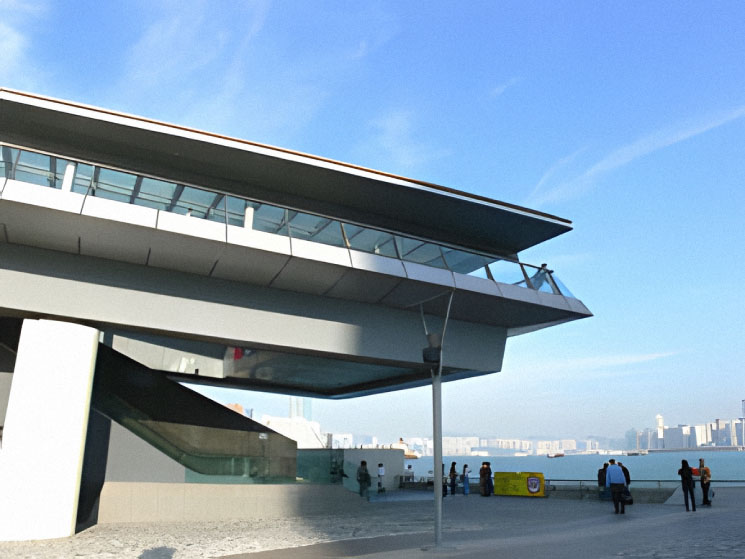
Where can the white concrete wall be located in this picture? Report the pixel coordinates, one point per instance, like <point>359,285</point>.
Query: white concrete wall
<point>177,502</point>
<point>45,428</point>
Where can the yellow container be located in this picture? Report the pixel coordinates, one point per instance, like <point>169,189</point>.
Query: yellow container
<point>521,484</point>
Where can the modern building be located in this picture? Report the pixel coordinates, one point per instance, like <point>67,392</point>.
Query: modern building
<point>136,255</point>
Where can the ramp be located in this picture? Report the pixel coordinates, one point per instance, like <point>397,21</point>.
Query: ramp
<point>200,434</point>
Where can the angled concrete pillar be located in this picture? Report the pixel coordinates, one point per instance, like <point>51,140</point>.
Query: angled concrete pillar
<point>45,427</point>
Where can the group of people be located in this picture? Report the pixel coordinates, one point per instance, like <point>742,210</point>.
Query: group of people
<point>453,477</point>
<point>687,475</point>
<point>616,477</point>
<point>365,480</point>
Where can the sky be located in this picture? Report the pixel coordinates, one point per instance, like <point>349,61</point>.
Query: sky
<point>627,118</point>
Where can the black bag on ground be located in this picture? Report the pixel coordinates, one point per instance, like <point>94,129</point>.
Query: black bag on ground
<point>626,496</point>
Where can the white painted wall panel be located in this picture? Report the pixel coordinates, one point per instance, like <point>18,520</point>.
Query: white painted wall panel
<point>320,253</point>
<point>375,263</point>
<point>43,196</point>
<point>258,239</point>
<point>117,211</point>
<point>192,226</point>
<point>478,285</point>
<point>420,272</point>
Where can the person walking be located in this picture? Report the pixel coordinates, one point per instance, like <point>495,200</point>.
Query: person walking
<point>464,479</point>
<point>615,479</point>
<point>686,480</point>
<point>363,478</point>
<point>705,475</point>
<point>453,475</point>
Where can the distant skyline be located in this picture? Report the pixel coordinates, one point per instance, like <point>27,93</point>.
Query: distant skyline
<point>626,118</point>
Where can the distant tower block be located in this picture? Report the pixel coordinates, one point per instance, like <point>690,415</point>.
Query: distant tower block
<point>660,426</point>
<point>300,407</point>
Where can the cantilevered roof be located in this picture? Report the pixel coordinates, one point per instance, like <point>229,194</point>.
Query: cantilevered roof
<point>273,175</point>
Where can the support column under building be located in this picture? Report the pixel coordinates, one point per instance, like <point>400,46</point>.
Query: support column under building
<point>41,459</point>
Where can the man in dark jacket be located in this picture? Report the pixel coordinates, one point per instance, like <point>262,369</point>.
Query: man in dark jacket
<point>626,473</point>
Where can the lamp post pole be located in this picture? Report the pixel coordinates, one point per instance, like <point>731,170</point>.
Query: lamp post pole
<point>433,355</point>
<point>437,443</point>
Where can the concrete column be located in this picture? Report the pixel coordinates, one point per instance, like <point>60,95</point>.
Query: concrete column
<point>45,428</point>
<point>69,176</point>
<point>248,220</point>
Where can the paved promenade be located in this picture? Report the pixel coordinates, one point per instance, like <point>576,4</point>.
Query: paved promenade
<point>473,527</point>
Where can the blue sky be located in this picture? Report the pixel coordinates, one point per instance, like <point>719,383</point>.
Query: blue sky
<point>627,118</point>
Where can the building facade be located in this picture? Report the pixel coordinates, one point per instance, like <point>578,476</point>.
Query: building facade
<point>141,255</point>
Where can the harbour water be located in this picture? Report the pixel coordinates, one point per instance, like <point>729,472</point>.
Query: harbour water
<point>725,465</point>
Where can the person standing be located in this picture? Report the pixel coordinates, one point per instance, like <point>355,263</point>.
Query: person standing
<point>489,479</point>
<point>453,475</point>
<point>381,475</point>
<point>686,480</point>
<point>483,484</point>
<point>601,475</point>
<point>603,492</point>
<point>363,478</point>
<point>615,479</point>
<point>464,478</point>
<point>705,476</point>
<point>626,473</point>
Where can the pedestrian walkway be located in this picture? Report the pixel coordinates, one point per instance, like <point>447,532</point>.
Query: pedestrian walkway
<point>395,527</point>
<point>520,528</point>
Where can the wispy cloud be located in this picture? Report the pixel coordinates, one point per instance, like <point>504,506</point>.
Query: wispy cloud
<point>550,190</point>
<point>501,88</point>
<point>16,69</point>
<point>597,366</point>
<point>395,143</point>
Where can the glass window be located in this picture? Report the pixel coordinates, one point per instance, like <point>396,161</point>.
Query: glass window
<point>506,271</point>
<point>195,199</point>
<point>114,185</point>
<point>155,193</point>
<point>562,288</point>
<point>216,211</point>
<point>464,262</point>
<point>428,254</point>
<point>8,156</point>
<point>317,229</point>
<point>236,208</point>
<point>370,240</point>
<point>40,169</point>
<point>270,219</point>
<point>83,178</point>
<point>479,273</point>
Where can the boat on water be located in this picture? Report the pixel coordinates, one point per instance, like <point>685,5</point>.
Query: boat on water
<point>637,453</point>
<point>409,454</point>
<point>556,455</point>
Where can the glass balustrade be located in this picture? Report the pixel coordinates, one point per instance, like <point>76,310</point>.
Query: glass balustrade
<point>160,194</point>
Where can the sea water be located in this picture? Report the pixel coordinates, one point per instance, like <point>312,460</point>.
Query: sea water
<point>724,465</point>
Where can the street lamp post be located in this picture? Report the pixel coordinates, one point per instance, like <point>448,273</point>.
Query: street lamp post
<point>433,355</point>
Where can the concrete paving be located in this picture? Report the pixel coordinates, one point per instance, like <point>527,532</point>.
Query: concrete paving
<point>400,526</point>
<point>521,528</point>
